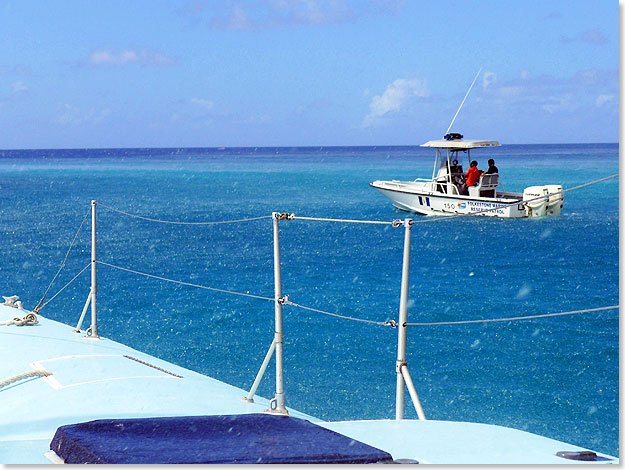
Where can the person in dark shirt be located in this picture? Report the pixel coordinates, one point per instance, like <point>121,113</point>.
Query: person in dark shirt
<point>457,176</point>
<point>491,167</point>
<point>455,168</point>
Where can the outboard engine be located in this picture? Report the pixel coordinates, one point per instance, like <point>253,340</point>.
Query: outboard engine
<point>537,206</point>
<point>556,201</point>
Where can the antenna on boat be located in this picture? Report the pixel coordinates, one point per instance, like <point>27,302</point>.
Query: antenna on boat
<point>465,98</point>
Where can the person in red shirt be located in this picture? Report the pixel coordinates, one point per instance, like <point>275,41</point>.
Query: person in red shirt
<point>473,174</point>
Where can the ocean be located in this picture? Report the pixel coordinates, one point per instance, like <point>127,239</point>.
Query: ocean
<point>556,376</point>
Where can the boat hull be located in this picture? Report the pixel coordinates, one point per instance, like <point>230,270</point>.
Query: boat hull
<point>419,198</point>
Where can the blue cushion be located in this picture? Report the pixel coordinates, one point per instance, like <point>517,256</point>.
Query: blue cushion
<point>242,439</point>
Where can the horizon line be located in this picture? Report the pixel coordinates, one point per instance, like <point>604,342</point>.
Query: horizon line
<point>277,146</point>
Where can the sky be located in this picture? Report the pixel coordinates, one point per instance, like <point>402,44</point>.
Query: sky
<point>224,73</point>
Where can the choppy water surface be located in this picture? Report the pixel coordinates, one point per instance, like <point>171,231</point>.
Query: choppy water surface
<point>554,376</point>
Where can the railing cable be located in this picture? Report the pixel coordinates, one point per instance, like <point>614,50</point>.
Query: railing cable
<point>286,301</point>
<point>591,183</point>
<point>379,222</point>
<point>39,306</point>
<point>174,222</point>
<point>185,283</point>
<point>527,317</point>
<point>62,289</point>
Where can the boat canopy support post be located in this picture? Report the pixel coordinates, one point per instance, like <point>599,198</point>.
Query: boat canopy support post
<point>438,155</point>
<point>403,376</point>
<point>93,330</point>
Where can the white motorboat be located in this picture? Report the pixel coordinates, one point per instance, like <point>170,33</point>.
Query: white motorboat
<point>446,193</point>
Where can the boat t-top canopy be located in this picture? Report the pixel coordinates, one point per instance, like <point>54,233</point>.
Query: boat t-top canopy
<point>461,144</point>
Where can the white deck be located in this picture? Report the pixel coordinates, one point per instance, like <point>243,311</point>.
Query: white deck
<point>92,380</point>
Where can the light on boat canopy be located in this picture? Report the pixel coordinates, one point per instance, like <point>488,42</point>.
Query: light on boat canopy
<point>461,144</point>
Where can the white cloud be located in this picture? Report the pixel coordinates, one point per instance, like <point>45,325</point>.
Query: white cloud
<point>312,11</point>
<point>74,116</point>
<point>488,79</point>
<point>240,15</point>
<point>19,70</point>
<point>193,8</point>
<point>554,104</point>
<point>105,57</point>
<point>550,95</point>
<point>237,20</point>
<point>202,103</point>
<point>593,36</point>
<point>396,95</point>
<point>604,99</point>
<point>18,87</point>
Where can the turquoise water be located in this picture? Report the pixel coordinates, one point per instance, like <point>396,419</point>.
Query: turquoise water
<point>554,376</point>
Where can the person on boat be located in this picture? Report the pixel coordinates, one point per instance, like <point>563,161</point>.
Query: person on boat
<point>457,177</point>
<point>455,168</point>
<point>491,167</point>
<point>473,174</point>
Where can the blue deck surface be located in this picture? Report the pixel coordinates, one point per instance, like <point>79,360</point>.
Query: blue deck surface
<point>99,379</point>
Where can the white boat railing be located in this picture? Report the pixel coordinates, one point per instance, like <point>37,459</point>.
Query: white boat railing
<point>401,368</point>
<point>93,295</point>
<point>278,403</point>
<point>278,341</point>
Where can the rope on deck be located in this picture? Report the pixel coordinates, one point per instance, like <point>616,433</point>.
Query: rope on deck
<point>27,320</point>
<point>175,222</point>
<point>24,375</point>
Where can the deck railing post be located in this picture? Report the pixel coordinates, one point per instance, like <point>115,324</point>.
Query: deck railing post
<point>279,336</point>
<point>250,396</point>
<point>402,327</point>
<point>401,367</point>
<point>94,284</point>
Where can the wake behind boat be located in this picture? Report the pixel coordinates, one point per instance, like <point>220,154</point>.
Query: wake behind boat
<point>449,191</point>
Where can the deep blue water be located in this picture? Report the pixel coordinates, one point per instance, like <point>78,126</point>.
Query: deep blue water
<point>553,376</point>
